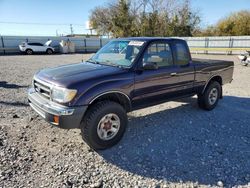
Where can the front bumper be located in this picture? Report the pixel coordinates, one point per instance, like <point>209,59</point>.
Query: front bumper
<point>56,114</point>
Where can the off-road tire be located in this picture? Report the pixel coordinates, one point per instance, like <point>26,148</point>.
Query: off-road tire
<point>92,118</point>
<point>203,99</point>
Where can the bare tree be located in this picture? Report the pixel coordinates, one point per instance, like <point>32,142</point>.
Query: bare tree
<point>146,18</point>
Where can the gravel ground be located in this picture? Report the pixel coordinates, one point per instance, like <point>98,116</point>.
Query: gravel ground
<point>174,144</point>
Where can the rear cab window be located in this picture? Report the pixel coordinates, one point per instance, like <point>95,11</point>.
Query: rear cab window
<point>182,54</point>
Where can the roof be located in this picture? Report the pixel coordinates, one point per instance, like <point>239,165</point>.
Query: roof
<point>150,38</point>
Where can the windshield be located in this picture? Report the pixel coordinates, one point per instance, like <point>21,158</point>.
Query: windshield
<point>118,53</point>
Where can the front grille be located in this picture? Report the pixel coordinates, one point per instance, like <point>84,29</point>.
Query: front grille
<point>43,89</point>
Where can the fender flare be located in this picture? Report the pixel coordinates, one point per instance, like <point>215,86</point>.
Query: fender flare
<point>203,90</point>
<point>112,92</point>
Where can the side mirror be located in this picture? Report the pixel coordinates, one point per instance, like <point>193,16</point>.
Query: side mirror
<point>150,66</point>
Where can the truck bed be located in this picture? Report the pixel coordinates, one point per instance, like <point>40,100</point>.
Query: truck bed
<point>212,61</point>
<point>206,69</point>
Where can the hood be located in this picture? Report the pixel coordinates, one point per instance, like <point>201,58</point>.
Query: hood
<point>68,75</point>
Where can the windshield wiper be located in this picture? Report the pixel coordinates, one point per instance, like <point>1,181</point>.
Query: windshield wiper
<point>109,63</point>
<point>106,62</point>
<point>92,61</point>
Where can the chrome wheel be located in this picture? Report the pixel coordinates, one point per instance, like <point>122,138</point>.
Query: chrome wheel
<point>213,96</point>
<point>108,126</point>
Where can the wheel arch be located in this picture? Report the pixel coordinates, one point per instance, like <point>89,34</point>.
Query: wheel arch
<point>49,49</point>
<point>116,96</point>
<point>29,49</point>
<point>216,78</point>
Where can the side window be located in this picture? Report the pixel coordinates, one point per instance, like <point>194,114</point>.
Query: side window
<point>182,54</point>
<point>159,53</point>
<point>35,44</point>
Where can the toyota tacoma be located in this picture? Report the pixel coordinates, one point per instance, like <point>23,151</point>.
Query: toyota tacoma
<point>125,75</point>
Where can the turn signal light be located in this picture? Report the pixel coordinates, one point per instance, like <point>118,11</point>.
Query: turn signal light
<point>56,120</point>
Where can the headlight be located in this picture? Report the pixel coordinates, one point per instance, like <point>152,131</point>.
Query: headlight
<point>63,95</point>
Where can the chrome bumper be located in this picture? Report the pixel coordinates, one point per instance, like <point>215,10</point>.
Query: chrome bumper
<point>68,117</point>
<point>38,102</point>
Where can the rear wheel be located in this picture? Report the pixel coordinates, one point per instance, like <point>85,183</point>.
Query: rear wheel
<point>104,124</point>
<point>49,51</point>
<point>29,52</point>
<point>209,99</point>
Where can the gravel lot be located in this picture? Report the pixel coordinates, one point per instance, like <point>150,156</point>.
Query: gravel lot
<point>174,144</point>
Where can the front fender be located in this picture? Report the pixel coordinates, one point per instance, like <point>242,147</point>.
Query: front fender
<point>122,85</point>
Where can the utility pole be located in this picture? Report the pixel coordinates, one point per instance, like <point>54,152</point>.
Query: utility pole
<point>71,30</point>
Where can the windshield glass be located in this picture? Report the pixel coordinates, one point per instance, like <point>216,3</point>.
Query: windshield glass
<point>118,53</point>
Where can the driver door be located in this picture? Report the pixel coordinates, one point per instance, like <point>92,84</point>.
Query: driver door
<point>154,86</point>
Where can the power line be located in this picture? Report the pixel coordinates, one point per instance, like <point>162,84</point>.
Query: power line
<point>37,23</point>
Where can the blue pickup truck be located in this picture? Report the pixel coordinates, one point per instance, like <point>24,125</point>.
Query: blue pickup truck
<point>125,75</point>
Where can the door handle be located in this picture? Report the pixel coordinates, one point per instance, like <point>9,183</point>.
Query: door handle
<point>173,74</point>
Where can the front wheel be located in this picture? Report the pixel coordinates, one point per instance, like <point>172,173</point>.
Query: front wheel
<point>104,125</point>
<point>209,99</point>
